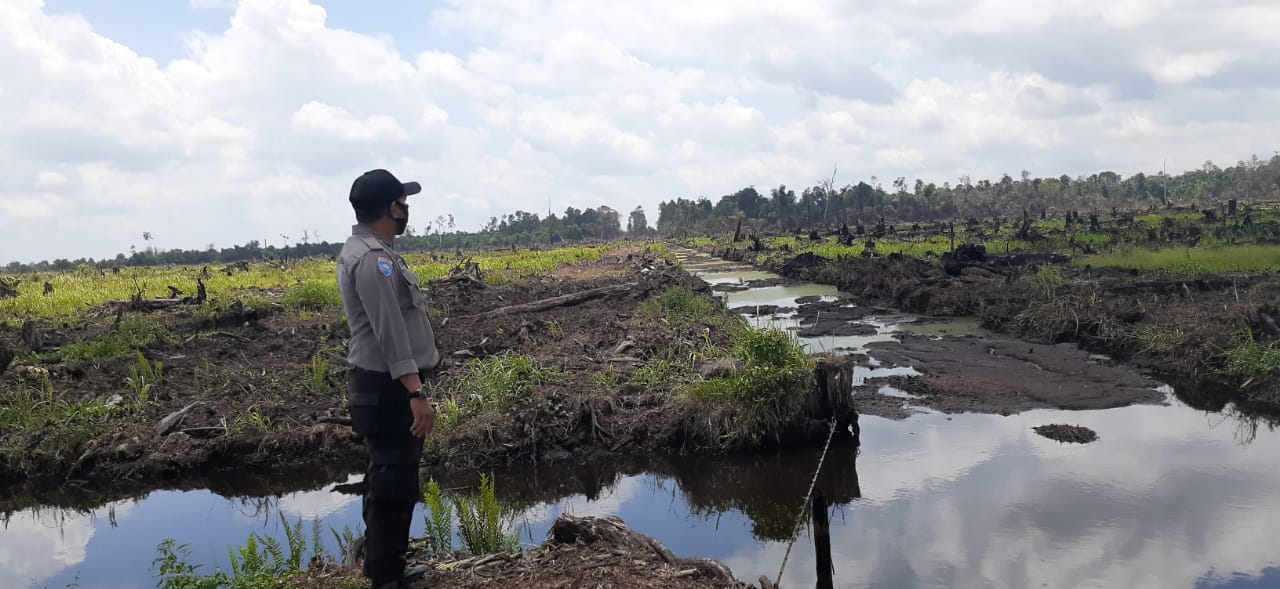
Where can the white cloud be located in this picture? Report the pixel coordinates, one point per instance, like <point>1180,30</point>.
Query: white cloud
<point>319,503</point>
<point>38,544</point>
<point>331,122</point>
<point>984,502</point>
<point>259,128</point>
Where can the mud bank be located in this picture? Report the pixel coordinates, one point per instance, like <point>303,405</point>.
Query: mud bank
<point>579,552</point>
<point>1177,327</point>
<point>264,389</point>
<point>1010,376</point>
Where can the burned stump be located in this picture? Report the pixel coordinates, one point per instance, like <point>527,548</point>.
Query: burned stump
<point>833,394</point>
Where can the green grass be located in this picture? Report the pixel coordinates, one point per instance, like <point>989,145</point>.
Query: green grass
<point>659,373</point>
<point>305,283</point>
<point>1250,359</point>
<point>1159,339</point>
<point>31,409</point>
<point>679,301</point>
<point>135,332</point>
<point>314,295</point>
<point>1157,219</point>
<point>767,395</point>
<point>1091,238</point>
<point>662,251</point>
<point>1215,260</point>
<point>252,420</point>
<point>77,292</point>
<point>262,562</point>
<point>318,375</point>
<point>143,376</point>
<point>497,384</point>
<point>679,306</point>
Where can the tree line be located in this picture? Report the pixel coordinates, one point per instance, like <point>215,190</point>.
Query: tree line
<point>520,229</point>
<point>823,205</point>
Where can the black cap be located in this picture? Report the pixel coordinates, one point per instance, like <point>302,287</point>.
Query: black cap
<point>377,188</point>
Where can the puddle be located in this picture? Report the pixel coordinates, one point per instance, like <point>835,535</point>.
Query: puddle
<point>951,327</point>
<point>1167,497</point>
<point>714,278</point>
<point>861,374</point>
<point>782,295</point>
<point>897,393</point>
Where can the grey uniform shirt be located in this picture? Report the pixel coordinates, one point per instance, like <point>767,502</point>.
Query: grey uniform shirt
<point>386,309</point>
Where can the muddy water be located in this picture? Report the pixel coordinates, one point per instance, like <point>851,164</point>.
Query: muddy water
<point>1168,496</point>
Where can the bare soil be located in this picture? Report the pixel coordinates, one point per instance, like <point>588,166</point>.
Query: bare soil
<point>258,407</point>
<point>585,552</point>
<point>1072,434</point>
<point>1005,376</point>
<point>1173,326</point>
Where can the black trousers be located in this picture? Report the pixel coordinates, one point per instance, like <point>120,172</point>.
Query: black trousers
<point>380,414</point>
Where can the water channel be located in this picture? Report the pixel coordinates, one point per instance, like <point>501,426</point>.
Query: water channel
<point>1169,496</point>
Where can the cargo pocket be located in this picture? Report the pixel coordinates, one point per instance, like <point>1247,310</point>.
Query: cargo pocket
<point>364,409</point>
<point>394,484</point>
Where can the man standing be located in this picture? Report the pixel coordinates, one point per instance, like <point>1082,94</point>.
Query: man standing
<point>393,352</point>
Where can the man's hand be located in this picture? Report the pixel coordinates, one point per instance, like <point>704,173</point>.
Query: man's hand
<point>424,417</point>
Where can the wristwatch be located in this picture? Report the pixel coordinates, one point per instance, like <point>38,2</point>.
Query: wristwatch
<point>421,393</point>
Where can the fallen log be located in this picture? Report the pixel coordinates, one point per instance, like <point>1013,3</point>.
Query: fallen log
<point>142,304</point>
<point>567,300</point>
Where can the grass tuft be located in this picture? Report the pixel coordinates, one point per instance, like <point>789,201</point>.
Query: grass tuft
<point>767,395</point>
<point>134,333</point>
<point>314,295</point>
<point>1250,359</point>
<point>1211,260</point>
<point>497,384</point>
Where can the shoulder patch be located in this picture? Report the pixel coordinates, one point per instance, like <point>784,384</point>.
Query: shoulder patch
<point>384,265</point>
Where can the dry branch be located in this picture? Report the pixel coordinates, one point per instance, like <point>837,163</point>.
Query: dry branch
<point>567,300</point>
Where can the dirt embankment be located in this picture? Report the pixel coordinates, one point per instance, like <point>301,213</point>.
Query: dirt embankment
<point>259,390</point>
<point>1175,326</point>
<point>579,552</point>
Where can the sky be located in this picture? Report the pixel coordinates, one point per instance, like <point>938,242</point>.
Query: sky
<point>217,122</point>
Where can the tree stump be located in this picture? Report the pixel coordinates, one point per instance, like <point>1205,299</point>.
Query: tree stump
<point>833,395</point>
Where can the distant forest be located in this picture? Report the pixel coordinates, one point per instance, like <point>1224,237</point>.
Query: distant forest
<point>819,206</point>
<point>824,206</point>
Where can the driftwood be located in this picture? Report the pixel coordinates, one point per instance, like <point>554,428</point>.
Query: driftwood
<point>142,304</point>
<point>568,529</point>
<point>172,420</point>
<point>137,303</point>
<point>560,301</point>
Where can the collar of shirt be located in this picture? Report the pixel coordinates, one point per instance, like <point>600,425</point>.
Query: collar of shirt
<point>362,231</point>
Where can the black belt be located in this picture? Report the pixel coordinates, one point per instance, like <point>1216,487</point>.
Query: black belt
<point>366,371</point>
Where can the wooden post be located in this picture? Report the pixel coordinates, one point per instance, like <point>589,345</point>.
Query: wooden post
<point>833,396</point>
<point>822,541</point>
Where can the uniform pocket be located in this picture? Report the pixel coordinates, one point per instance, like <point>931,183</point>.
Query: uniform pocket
<point>364,407</point>
<point>394,484</point>
<point>413,287</point>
